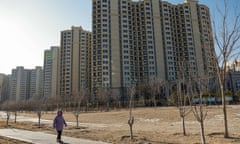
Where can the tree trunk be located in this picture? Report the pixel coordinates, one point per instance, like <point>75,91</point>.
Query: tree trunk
<point>77,115</point>
<point>39,122</point>
<point>8,117</point>
<point>201,120</point>
<point>39,119</point>
<point>155,102</point>
<point>15,118</point>
<point>202,132</point>
<point>120,104</point>
<point>225,119</point>
<point>130,122</point>
<point>108,105</point>
<point>144,103</point>
<point>224,113</point>
<point>131,132</point>
<point>183,125</point>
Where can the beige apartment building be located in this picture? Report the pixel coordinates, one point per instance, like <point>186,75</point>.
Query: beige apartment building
<point>75,61</point>
<point>51,72</point>
<point>148,39</point>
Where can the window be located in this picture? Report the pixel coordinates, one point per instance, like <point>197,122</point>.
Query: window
<point>238,84</point>
<point>105,73</point>
<point>105,56</point>
<point>105,51</point>
<point>105,67</point>
<point>105,79</point>
<point>105,62</point>
<point>125,46</point>
<point>105,45</point>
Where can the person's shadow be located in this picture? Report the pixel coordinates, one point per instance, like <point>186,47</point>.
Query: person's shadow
<point>64,143</point>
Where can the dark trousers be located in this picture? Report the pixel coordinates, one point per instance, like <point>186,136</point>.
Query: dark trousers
<point>59,135</point>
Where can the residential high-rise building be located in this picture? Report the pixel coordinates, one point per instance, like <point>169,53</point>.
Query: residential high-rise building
<point>193,39</point>
<point>36,82</point>
<point>75,61</point>
<point>112,45</point>
<point>149,39</point>
<point>4,87</point>
<point>26,83</point>
<point>51,72</point>
<point>20,81</point>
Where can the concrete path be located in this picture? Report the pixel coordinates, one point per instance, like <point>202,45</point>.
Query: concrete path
<point>42,138</point>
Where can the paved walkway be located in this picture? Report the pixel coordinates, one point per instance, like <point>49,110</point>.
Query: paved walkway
<point>42,138</point>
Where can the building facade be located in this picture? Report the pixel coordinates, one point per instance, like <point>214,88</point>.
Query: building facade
<point>149,39</point>
<point>51,72</point>
<point>233,65</point>
<point>233,82</point>
<point>75,61</point>
<point>20,81</point>
<point>4,87</point>
<point>26,83</point>
<point>36,82</point>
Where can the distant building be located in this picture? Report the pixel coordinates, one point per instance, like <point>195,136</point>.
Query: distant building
<point>4,87</point>
<point>233,65</point>
<point>75,61</point>
<point>20,84</point>
<point>25,83</point>
<point>51,72</point>
<point>36,82</point>
<point>233,81</point>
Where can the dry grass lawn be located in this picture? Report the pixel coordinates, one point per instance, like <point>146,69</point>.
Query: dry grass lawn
<point>160,125</point>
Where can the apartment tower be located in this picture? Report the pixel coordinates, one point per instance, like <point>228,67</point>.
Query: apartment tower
<point>26,83</point>
<point>147,40</point>
<point>51,72</point>
<point>75,61</point>
<point>36,82</point>
<point>20,81</point>
<point>4,87</point>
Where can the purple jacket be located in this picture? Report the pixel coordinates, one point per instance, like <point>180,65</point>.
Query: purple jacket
<point>59,121</point>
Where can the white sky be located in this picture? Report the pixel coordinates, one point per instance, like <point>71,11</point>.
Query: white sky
<point>28,27</point>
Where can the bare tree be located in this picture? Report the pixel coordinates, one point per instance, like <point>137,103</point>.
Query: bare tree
<point>108,92</point>
<point>15,108</point>
<point>100,97</point>
<point>131,93</point>
<point>76,101</point>
<point>182,99</point>
<point>172,99</point>
<point>198,110</point>
<point>153,90</point>
<point>140,90</point>
<point>227,37</point>
<point>161,89</point>
<point>155,87</point>
<point>6,107</point>
<point>38,105</point>
<point>116,96</point>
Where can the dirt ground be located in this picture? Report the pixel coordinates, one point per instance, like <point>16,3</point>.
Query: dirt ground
<point>5,140</point>
<point>160,125</point>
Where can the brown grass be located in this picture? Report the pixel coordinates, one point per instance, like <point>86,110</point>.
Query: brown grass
<point>151,126</point>
<point>5,140</point>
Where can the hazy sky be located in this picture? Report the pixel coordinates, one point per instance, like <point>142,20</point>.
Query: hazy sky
<point>28,27</point>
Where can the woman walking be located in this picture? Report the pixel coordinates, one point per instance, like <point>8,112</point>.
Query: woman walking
<point>58,123</point>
